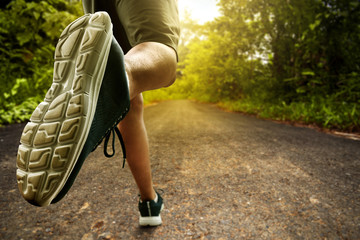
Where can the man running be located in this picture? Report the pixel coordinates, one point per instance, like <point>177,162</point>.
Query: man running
<point>100,73</point>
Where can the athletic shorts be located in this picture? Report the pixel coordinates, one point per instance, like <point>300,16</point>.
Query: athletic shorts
<point>138,21</point>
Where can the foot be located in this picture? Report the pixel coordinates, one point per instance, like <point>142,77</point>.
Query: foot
<point>54,139</point>
<point>150,211</point>
<point>112,106</point>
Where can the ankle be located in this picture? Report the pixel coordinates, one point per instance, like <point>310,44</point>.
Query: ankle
<point>149,197</point>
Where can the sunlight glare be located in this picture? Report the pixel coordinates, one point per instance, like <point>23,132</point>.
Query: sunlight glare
<point>200,10</point>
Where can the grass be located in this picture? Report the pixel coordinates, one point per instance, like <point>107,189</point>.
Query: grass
<point>323,112</point>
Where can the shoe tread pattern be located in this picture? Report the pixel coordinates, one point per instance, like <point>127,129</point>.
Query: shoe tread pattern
<point>50,140</point>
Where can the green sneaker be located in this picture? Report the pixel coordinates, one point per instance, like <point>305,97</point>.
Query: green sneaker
<point>58,137</point>
<point>150,212</point>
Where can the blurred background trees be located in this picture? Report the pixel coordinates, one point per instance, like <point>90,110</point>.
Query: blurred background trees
<point>280,59</point>
<point>29,31</point>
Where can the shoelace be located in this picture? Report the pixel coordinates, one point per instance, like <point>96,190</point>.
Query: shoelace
<point>106,142</point>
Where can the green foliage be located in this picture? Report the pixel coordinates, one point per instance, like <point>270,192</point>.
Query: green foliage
<point>170,93</point>
<point>323,112</point>
<point>19,112</point>
<point>28,34</point>
<point>287,60</point>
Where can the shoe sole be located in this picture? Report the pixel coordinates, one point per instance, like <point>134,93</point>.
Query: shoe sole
<point>53,139</point>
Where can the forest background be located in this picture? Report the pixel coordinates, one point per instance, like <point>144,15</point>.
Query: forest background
<point>287,60</point>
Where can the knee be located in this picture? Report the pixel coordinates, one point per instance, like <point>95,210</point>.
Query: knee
<point>172,66</point>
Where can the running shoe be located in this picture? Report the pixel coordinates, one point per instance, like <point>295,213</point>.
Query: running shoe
<point>53,142</point>
<point>150,212</point>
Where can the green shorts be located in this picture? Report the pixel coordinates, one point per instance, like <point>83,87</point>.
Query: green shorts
<point>138,21</point>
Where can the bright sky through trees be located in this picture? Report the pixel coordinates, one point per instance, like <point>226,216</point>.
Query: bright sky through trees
<point>200,10</point>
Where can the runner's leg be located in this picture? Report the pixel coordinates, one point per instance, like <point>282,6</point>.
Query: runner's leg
<point>137,147</point>
<point>149,65</point>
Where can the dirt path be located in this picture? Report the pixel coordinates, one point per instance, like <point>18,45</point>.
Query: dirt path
<point>224,176</point>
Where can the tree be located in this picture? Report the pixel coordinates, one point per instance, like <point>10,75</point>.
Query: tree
<point>297,59</point>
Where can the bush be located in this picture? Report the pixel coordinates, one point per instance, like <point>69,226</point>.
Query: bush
<point>28,35</point>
